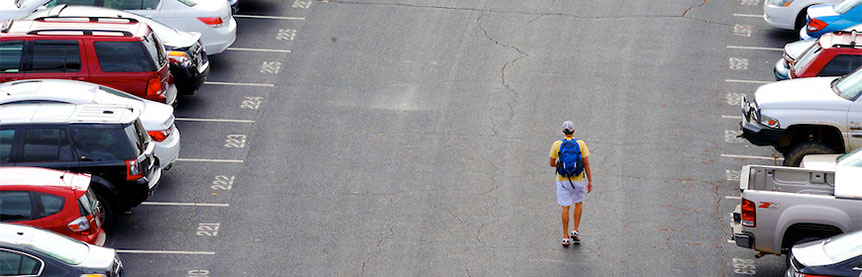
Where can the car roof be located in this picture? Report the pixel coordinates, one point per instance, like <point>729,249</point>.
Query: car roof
<point>34,176</point>
<point>17,234</point>
<point>72,26</point>
<point>841,39</point>
<point>48,89</point>
<point>66,113</point>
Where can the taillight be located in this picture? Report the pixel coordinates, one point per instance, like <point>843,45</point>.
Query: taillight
<point>160,136</point>
<point>179,57</point>
<point>748,215</point>
<point>214,22</point>
<point>815,25</point>
<point>134,170</point>
<point>154,86</point>
<point>80,225</point>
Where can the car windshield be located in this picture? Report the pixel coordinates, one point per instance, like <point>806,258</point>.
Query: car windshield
<point>849,86</point>
<point>854,158</point>
<point>190,3</point>
<point>846,5</point>
<point>27,3</point>
<point>842,247</point>
<point>806,57</point>
<point>68,250</point>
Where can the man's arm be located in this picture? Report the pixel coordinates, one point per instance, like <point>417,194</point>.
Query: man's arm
<point>589,174</point>
<point>553,162</point>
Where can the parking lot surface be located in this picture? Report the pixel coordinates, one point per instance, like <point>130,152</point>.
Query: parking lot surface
<point>398,138</point>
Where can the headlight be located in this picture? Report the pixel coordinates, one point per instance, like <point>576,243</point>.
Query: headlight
<point>769,121</point>
<point>783,3</point>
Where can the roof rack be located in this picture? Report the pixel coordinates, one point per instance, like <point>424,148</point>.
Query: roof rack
<point>6,25</point>
<point>90,18</point>
<point>853,33</point>
<point>88,32</point>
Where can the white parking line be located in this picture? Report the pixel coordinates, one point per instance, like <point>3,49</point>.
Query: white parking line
<point>134,251</point>
<point>751,157</point>
<point>186,204</point>
<point>755,48</point>
<point>258,50</point>
<point>731,116</point>
<point>747,15</point>
<point>208,160</point>
<point>268,17</point>
<point>239,84</point>
<point>747,81</point>
<point>731,241</point>
<point>214,120</point>
<point>733,197</point>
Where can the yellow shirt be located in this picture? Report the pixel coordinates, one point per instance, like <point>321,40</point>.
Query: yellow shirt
<point>585,152</point>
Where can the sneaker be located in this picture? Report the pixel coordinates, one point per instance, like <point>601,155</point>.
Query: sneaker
<point>576,237</point>
<point>566,242</point>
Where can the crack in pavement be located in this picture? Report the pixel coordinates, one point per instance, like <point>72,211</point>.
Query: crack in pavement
<point>693,7</point>
<point>683,16</point>
<point>380,243</point>
<point>503,82</point>
<point>720,224</point>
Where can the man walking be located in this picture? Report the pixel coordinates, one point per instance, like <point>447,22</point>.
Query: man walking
<point>569,156</point>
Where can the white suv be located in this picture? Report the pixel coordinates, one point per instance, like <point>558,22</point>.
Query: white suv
<point>157,118</point>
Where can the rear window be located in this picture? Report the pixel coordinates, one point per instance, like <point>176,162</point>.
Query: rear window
<point>10,56</point>
<point>6,137</point>
<point>155,49</point>
<point>56,56</point>
<point>190,3</point>
<point>68,2</point>
<point>137,136</point>
<point>123,56</point>
<point>15,206</point>
<point>87,203</point>
<point>807,57</point>
<point>131,4</point>
<point>103,143</point>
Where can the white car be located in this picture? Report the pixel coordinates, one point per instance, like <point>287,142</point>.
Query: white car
<point>211,18</point>
<point>157,118</point>
<point>789,14</point>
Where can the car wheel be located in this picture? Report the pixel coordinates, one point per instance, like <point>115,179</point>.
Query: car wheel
<point>795,155</point>
<point>106,212</point>
<point>801,20</point>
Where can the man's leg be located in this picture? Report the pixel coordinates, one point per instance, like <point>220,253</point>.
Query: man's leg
<point>565,216</point>
<point>577,216</point>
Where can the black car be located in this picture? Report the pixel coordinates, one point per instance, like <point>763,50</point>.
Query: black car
<point>189,62</point>
<point>30,251</point>
<point>107,141</point>
<point>840,255</point>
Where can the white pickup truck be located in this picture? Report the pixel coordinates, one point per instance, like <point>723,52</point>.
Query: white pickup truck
<point>782,206</point>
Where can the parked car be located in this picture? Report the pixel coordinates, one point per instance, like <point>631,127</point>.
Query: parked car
<point>234,6</point>
<point>30,251</point>
<point>189,63</point>
<point>212,19</point>
<point>818,115</point>
<point>123,54</point>
<point>784,206</point>
<point>789,14</point>
<point>840,255</point>
<point>157,118</point>
<point>832,54</point>
<point>50,199</point>
<point>828,18</point>
<point>106,141</point>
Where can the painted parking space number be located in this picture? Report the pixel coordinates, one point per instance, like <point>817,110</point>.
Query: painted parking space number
<point>270,67</point>
<point>744,266</point>
<point>732,136</point>
<point>286,34</point>
<point>301,4</point>
<point>738,63</point>
<point>742,30</point>
<point>732,175</point>
<point>734,98</point>
<point>750,2</point>
<point>222,182</point>
<point>208,229</point>
<point>235,141</point>
<point>199,273</point>
<point>251,102</point>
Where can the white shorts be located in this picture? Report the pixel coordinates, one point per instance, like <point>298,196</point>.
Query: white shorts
<point>567,195</point>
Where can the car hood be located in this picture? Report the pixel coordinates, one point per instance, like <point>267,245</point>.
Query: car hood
<point>182,40</point>
<point>795,49</point>
<point>811,253</point>
<point>820,11</point>
<point>8,10</point>
<point>803,93</point>
<point>825,162</point>
<point>99,257</point>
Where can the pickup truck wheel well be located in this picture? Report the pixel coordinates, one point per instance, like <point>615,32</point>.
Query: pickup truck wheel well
<point>796,134</point>
<point>798,232</point>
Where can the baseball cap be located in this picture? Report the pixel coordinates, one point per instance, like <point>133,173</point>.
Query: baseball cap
<point>568,126</point>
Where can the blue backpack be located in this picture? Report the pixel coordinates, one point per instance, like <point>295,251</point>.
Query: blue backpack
<point>570,163</point>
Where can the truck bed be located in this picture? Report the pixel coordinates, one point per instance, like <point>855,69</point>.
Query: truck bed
<point>787,179</point>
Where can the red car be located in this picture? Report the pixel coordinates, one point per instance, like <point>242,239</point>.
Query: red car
<point>49,199</point>
<point>120,53</point>
<point>834,54</point>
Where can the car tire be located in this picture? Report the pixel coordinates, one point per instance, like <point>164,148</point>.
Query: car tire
<point>801,20</point>
<point>794,156</point>
<point>108,215</point>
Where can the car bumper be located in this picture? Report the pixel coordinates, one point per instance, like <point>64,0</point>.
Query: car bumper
<point>760,135</point>
<point>803,34</point>
<point>169,149</point>
<point>216,40</point>
<point>189,79</point>
<point>133,193</point>
<point>781,70</point>
<point>740,237</point>
<point>98,238</point>
<point>780,17</point>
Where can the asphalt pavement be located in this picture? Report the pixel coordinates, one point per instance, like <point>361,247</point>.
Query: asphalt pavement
<point>405,138</point>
